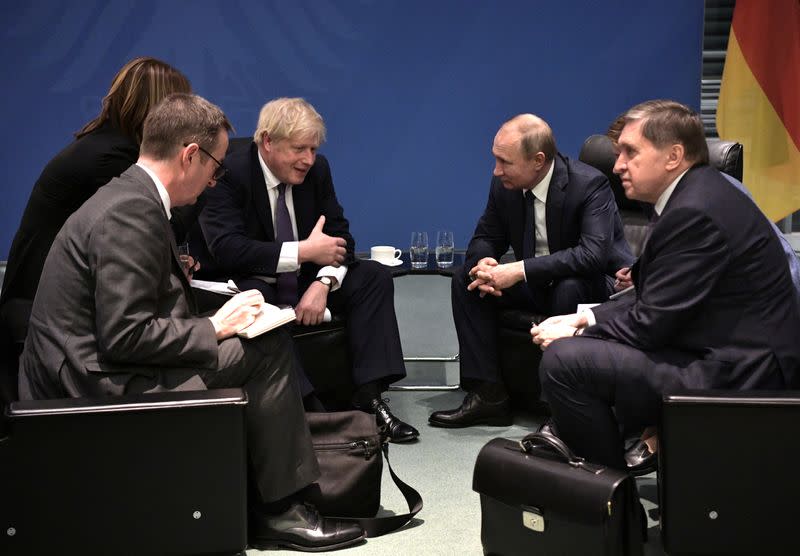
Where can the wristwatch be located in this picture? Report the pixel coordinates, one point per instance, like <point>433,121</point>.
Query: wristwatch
<point>326,280</point>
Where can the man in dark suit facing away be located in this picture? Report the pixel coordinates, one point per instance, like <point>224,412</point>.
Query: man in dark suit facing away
<point>560,218</point>
<point>274,224</point>
<point>114,314</point>
<point>714,305</point>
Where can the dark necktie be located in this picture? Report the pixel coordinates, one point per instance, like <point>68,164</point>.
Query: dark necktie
<point>529,234</point>
<point>653,219</point>
<point>287,281</point>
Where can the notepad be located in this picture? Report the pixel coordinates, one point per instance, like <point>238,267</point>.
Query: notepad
<point>222,288</point>
<point>269,318</point>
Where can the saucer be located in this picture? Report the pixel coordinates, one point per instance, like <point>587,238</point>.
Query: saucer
<point>395,262</point>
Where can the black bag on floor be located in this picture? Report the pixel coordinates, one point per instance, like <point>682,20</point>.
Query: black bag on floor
<point>537,497</point>
<point>350,451</point>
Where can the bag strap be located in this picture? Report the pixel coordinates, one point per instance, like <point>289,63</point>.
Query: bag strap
<point>377,526</point>
<point>559,448</point>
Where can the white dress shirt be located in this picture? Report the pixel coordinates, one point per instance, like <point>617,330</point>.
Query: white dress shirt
<point>288,258</point>
<point>162,191</point>
<point>541,248</point>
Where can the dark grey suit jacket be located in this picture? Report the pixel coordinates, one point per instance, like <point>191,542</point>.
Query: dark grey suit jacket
<point>584,230</point>
<point>113,302</point>
<point>712,282</point>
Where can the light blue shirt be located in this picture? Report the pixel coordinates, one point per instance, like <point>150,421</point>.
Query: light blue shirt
<point>794,264</point>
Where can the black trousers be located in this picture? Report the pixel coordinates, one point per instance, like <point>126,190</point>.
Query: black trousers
<point>476,318</point>
<point>366,299</point>
<point>594,386</point>
<point>280,455</point>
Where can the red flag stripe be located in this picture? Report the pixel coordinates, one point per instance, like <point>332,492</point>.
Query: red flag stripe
<point>769,37</point>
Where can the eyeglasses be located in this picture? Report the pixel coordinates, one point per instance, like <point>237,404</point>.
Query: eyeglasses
<point>220,171</point>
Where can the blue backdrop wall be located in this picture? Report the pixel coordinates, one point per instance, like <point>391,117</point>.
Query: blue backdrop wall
<point>412,91</point>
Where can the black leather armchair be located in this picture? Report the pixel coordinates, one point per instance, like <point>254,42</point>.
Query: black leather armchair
<point>598,151</point>
<point>519,357</point>
<point>147,474</point>
<point>727,476</point>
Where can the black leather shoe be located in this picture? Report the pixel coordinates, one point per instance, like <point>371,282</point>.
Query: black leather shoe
<point>474,411</point>
<point>548,427</point>
<point>640,459</point>
<point>396,430</point>
<point>302,528</point>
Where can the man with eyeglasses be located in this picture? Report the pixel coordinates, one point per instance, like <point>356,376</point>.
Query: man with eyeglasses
<point>274,224</point>
<point>114,315</point>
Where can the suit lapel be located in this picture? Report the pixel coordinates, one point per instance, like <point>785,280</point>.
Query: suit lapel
<point>556,194</point>
<point>260,196</point>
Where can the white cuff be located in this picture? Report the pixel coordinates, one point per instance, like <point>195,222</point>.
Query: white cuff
<point>338,272</point>
<point>287,261</point>
<point>591,320</point>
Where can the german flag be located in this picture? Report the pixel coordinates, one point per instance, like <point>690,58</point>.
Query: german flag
<point>759,103</point>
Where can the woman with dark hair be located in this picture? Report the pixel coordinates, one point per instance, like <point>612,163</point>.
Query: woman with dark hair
<point>104,148</point>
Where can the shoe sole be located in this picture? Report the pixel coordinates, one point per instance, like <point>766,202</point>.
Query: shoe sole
<point>495,422</point>
<point>259,545</point>
<point>403,440</point>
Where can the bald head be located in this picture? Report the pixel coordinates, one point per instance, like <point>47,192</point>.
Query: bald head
<point>523,149</point>
<point>534,135</point>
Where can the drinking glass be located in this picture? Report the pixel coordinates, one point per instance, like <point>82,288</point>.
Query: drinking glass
<point>444,249</point>
<point>419,250</point>
<point>183,255</point>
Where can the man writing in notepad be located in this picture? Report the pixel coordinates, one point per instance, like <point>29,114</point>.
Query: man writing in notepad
<point>114,314</point>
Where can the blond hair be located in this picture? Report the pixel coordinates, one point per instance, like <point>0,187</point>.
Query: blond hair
<point>284,118</point>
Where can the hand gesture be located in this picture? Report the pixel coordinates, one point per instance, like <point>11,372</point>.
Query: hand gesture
<point>623,279</point>
<point>238,313</point>
<point>321,248</point>
<point>480,276</point>
<point>559,326</point>
<point>311,307</point>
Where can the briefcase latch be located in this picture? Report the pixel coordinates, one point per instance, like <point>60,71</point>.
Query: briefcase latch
<point>533,519</point>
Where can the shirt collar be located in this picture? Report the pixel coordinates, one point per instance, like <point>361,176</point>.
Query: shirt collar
<point>540,189</point>
<point>162,191</point>
<point>269,177</point>
<point>666,194</point>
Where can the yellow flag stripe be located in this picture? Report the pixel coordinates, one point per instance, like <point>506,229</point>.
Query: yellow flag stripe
<point>771,158</point>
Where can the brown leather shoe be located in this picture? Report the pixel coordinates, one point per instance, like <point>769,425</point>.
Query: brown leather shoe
<point>302,528</point>
<point>474,411</point>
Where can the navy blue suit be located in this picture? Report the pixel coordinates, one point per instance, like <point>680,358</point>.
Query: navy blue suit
<point>714,308</point>
<point>238,228</point>
<point>586,243</point>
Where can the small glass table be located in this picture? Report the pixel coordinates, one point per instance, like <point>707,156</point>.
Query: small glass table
<point>405,268</point>
<point>431,270</point>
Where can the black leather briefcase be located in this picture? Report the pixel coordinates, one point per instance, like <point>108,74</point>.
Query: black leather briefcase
<point>539,498</point>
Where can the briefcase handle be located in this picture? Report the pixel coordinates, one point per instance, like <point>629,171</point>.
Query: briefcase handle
<point>559,448</point>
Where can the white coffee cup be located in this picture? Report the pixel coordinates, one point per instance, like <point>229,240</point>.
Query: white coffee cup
<point>385,254</point>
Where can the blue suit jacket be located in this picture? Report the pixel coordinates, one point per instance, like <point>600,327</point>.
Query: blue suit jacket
<point>584,230</point>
